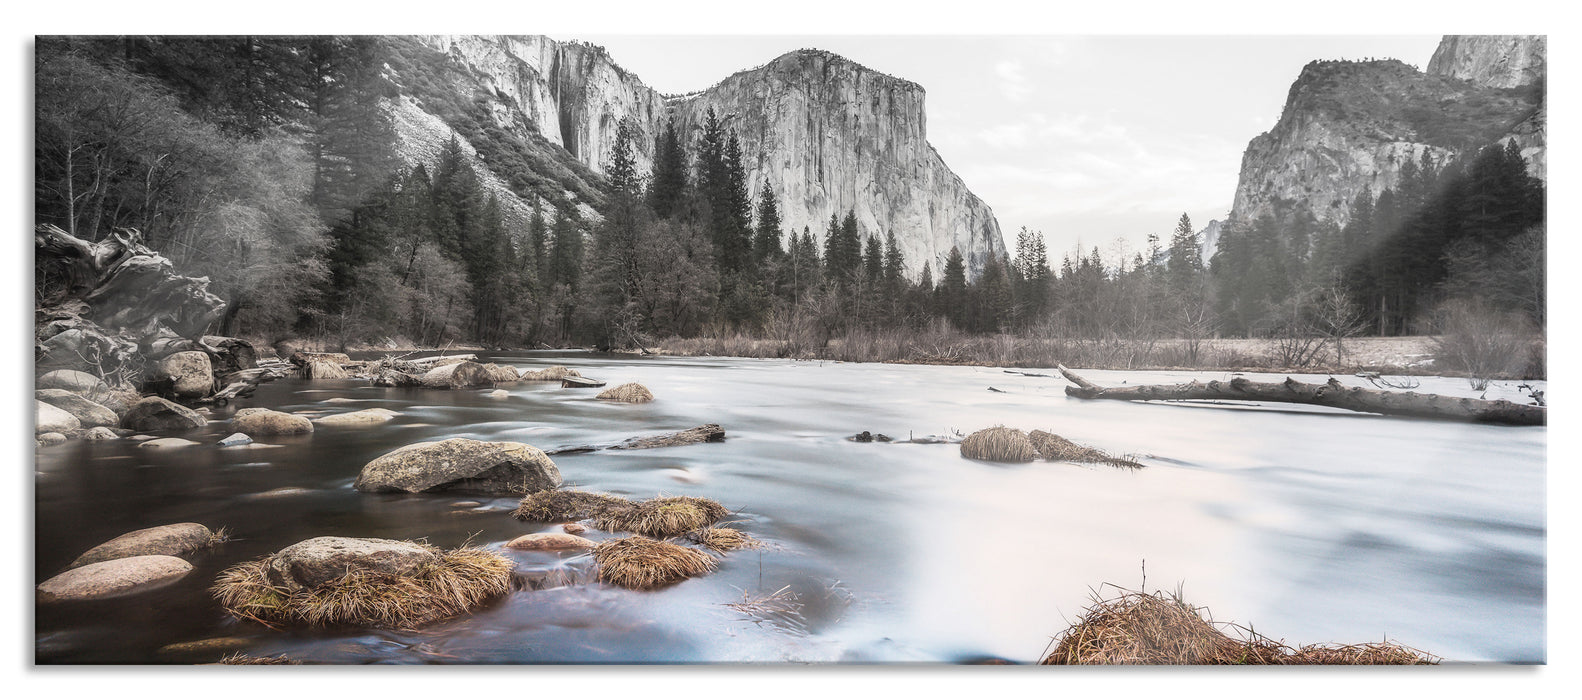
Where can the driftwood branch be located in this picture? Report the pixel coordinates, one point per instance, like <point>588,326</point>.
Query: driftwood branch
<point>1331,393</point>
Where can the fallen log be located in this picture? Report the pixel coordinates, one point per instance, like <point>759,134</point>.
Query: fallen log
<point>704,433</point>
<point>579,383</point>
<point>242,383</point>
<point>1332,393</point>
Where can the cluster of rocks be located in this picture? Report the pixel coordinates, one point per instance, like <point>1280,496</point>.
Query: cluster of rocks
<point>135,562</point>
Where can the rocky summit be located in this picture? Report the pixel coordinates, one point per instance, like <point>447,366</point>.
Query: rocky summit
<point>1350,126</point>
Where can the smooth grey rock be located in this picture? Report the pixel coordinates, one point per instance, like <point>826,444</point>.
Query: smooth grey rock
<point>310,563</point>
<point>52,419</point>
<point>266,422</point>
<point>109,579</point>
<point>49,439</point>
<point>100,434</point>
<point>461,464</point>
<point>234,439</point>
<point>551,542</point>
<point>88,413</point>
<point>155,413</point>
<point>178,540</point>
<point>71,380</point>
<point>369,416</point>
<point>167,443</point>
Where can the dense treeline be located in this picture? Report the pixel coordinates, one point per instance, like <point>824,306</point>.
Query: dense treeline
<point>269,165</point>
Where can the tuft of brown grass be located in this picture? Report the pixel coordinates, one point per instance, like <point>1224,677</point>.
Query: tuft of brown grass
<point>640,563</point>
<point>723,539</point>
<point>661,517</point>
<point>1156,629</point>
<point>240,659</point>
<point>458,581</point>
<point>1058,449</point>
<point>999,444</point>
<point>561,506</point>
<point>550,374</point>
<point>630,392</point>
<point>321,369</point>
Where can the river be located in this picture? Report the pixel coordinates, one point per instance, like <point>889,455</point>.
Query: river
<point>1308,524</point>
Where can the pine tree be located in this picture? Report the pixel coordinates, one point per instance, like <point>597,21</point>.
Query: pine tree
<point>953,289</point>
<point>766,239</point>
<point>668,184</point>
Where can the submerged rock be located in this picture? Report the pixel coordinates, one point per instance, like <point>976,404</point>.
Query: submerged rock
<point>551,542</point>
<point>178,540</point>
<point>109,579</point>
<point>310,563</point>
<point>267,422</point>
<point>167,443</point>
<point>368,416</point>
<point>703,433</point>
<point>155,413</point>
<point>49,439</point>
<point>99,434</point>
<point>461,464</point>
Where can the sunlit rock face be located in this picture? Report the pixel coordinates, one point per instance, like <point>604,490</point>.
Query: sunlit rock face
<point>1350,126</point>
<point>1491,61</point>
<point>827,134</point>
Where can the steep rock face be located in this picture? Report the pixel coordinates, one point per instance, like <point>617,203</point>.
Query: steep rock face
<point>827,134</point>
<point>1352,125</point>
<point>1491,61</point>
<point>830,136</point>
<point>1208,238</point>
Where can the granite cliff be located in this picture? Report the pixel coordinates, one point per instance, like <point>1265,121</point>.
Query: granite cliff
<point>827,134</point>
<point>1348,126</point>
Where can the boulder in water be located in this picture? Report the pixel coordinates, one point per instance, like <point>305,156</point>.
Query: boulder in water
<point>235,440</point>
<point>80,383</point>
<point>630,392</point>
<point>267,422</point>
<point>367,416</point>
<point>311,563</point>
<point>461,464</point>
<point>502,374</point>
<point>460,375</point>
<point>155,413</point>
<point>49,439</point>
<point>178,540</point>
<point>109,579</point>
<point>167,443</point>
<point>552,373</point>
<point>100,434</point>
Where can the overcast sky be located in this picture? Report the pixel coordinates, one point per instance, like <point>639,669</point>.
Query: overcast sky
<point>1086,138</point>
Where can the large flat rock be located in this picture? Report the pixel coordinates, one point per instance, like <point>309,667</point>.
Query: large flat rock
<point>178,540</point>
<point>461,464</point>
<point>110,579</point>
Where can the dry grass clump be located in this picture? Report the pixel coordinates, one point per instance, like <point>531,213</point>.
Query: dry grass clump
<point>643,564</point>
<point>321,369</point>
<point>723,539</point>
<point>661,517</point>
<point>1058,449</point>
<point>999,444</point>
<point>550,374</point>
<point>1154,629</point>
<point>630,392</point>
<point>558,506</point>
<point>240,659</point>
<point>455,583</point>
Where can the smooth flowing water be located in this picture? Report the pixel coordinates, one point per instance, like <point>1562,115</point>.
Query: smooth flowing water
<point>1310,525</point>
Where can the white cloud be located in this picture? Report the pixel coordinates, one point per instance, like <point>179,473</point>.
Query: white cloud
<point>1013,80</point>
